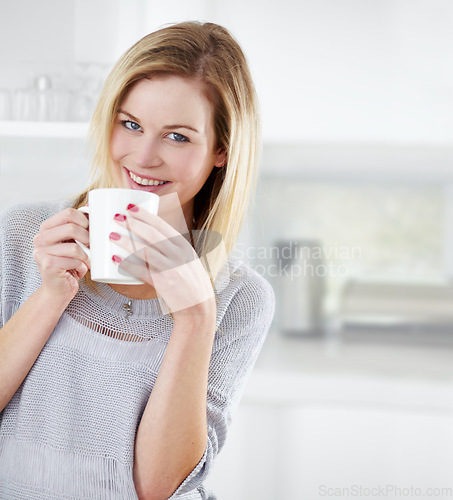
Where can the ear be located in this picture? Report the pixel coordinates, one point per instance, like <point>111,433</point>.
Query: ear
<point>220,158</point>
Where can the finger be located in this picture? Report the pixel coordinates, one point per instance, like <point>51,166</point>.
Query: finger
<point>129,244</point>
<point>64,250</point>
<point>79,269</point>
<point>135,213</point>
<point>141,233</point>
<point>137,228</point>
<point>164,254</point>
<point>58,266</point>
<point>57,234</point>
<point>148,232</point>
<point>139,269</point>
<point>66,216</point>
<point>148,257</point>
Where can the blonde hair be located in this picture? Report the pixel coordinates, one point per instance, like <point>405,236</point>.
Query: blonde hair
<point>208,52</point>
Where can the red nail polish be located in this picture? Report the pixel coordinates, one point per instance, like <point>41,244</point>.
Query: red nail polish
<point>114,236</point>
<point>120,217</point>
<point>132,207</point>
<point>116,259</point>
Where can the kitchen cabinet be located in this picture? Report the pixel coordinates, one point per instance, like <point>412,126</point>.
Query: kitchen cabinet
<point>318,416</point>
<point>52,130</point>
<point>304,451</point>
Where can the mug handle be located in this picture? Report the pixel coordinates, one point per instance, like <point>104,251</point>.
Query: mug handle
<point>85,210</point>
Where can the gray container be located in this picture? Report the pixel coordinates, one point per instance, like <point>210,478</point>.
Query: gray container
<point>299,286</point>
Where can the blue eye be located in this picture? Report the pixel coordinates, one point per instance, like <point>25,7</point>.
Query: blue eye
<point>130,125</point>
<point>174,136</point>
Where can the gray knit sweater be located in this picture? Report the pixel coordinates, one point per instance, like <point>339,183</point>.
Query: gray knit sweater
<point>69,430</point>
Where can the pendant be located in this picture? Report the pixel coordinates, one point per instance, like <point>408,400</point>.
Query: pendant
<point>128,308</point>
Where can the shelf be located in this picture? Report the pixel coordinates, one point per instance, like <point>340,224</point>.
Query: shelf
<point>11,129</point>
<point>380,162</point>
<point>395,162</point>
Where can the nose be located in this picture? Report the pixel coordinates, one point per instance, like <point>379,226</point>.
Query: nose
<point>148,152</point>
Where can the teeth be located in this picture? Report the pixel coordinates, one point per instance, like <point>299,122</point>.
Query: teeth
<point>145,182</point>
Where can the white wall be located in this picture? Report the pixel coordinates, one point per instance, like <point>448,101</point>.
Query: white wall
<point>34,34</point>
<point>338,70</point>
<point>349,70</point>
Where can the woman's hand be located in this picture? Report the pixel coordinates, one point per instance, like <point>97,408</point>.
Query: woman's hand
<point>166,260</point>
<point>61,261</point>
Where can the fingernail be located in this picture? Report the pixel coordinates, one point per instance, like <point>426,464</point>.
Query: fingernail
<point>120,217</point>
<point>132,207</point>
<point>114,236</point>
<point>116,259</point>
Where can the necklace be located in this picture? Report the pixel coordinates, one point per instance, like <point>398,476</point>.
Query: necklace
<point>128,308</point>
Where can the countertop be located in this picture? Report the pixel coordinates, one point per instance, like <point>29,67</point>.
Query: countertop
<point>358,368</point>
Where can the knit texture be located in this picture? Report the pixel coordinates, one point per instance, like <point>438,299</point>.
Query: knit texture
<point>69,430</point>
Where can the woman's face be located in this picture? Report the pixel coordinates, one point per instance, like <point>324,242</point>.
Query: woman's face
<point>163,139</point>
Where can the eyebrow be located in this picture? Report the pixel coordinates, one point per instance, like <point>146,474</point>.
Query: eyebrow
<point>167,127</point>
<point>181,126</point>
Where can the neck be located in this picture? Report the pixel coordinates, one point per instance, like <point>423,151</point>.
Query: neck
<point>136,292</point>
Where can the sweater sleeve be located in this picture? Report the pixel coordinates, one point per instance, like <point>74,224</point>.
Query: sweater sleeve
<point>239,339</point>
<point>19,275</point>
<point>17,224</point>
<point>7,242</point>
<point>12,250</point>
<point>2,259</point>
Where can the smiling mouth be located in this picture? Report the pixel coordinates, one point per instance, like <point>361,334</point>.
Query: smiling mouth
<point>145,182</point>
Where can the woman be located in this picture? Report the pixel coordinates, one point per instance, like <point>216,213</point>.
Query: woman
<point>104,395</point>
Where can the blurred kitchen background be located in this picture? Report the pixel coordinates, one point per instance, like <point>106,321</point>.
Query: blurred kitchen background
<point>352,395</point>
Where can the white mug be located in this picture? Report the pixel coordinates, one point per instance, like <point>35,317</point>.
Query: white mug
<point>103,205</point>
